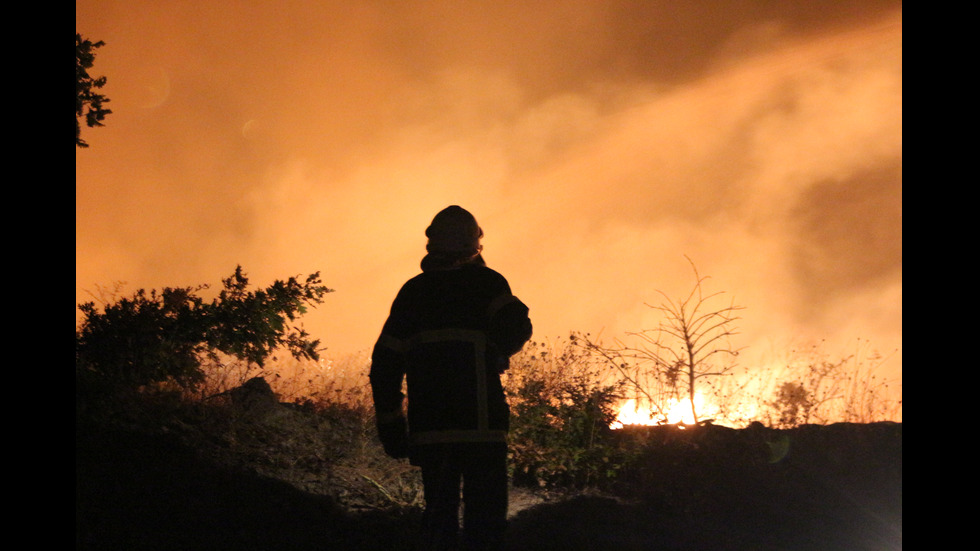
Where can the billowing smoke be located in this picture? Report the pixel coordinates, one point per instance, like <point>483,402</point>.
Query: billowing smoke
<point>600,145</point>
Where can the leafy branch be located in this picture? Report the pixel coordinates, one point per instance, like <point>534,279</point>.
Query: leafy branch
<point>88,103</point>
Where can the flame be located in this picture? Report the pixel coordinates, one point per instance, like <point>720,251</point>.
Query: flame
<point>679,411</point>
<point>630,414</point>
<point>676,411</point>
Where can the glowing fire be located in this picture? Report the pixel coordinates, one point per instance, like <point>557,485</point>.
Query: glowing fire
<point>677,411</point>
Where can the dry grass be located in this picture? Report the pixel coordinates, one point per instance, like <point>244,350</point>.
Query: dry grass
<point>327,443</point>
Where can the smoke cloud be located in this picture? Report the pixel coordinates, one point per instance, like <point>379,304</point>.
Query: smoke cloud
<point>599,144</point>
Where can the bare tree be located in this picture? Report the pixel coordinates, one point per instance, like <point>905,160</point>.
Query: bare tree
<point>689,348</point>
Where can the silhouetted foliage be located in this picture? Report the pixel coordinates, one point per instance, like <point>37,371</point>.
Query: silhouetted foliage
<point>88,103</point>
<point>152,338</point>
<point>562,412</point>
<point>816,387</point>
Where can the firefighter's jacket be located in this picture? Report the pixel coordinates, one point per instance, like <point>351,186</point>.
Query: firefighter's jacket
<point>450,334</point>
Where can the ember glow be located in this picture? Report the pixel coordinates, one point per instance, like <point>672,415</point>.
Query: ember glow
<point>598,143</point>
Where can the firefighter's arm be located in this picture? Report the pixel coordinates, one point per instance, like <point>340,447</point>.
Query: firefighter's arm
<point>510,325</point>
<point>387,373</point>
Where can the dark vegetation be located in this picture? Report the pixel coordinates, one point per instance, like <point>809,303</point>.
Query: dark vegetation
<point>187,438</point>
<point>246,473</point>
<point>89,103</point>
<point>155,341</point>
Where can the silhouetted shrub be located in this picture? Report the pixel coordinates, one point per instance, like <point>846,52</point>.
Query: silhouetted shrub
<point>817,387</point>
<point>153,339</point>
<point>562,412</point>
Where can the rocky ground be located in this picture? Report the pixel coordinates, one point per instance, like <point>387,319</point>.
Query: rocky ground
<point>270,478</point>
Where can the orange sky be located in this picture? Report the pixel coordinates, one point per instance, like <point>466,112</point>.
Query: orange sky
<point>597,143</point>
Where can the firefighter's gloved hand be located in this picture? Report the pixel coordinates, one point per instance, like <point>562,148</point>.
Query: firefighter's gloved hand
<point>394,436</point>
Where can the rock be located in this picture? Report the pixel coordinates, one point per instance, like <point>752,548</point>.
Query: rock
<point>255,391</point>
